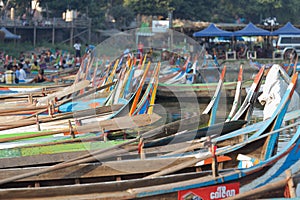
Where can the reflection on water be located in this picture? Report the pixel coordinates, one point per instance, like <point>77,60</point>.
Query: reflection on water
<point>175,109</point>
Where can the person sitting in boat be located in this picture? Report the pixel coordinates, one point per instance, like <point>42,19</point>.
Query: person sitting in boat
<point>40,77</point>
<point>34,68</point>
<point>9,75</point>
<point>22,74</point>
<point>26,66</point>
<point>89,48</point>
<point>190,77</point>
<point>17,73</point>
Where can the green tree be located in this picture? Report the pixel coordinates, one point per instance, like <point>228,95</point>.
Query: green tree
<point>197,10</point>
<point>123,16</point>
<point>146,7</point>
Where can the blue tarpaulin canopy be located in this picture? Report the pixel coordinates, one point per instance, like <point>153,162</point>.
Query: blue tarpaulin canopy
<point>9,35</point>
<point>251,30</point>
<point>287,29</point>
<point>212,31</point>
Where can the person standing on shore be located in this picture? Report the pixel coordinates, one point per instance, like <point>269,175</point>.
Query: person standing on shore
<point>77,47</point>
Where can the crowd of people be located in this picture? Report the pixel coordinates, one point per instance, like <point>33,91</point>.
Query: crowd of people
<point>29,67</point>
<point>262,49</point>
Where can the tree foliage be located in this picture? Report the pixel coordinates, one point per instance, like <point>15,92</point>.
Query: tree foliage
<point>146,7</point>
<point>122,15</point>
<point>123,11</point>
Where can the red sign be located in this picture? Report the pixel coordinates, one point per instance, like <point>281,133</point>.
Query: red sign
<point>212,192</point>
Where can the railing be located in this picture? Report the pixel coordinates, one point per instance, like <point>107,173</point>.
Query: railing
<point>52,22</point>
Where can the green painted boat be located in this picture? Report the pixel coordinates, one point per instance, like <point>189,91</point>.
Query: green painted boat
<point>57,148</point>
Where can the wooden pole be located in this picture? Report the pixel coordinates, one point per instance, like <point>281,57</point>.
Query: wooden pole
<point>71,34</point>
<point>89,28</point>
<point>214,164</point>
<point>34,35</point>
<point>104,135</point>
<point>38,123</point>
<point>71,130</point>
<point>30,98</point>
<point>141,149</point>
<point>290,184</point>
<point>53,34</point>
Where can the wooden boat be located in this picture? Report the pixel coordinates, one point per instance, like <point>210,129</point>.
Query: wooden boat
<point>81,112</point>
<point>198,90</point>
<point>141,116</point>
<point>85,116</point>
<point>164,187</point>
<point>25,92</point>
<point>281,184</point>
<point>62,79</point>
<point>159,183</point>
<point>68,98</point>
<point>210,110</point>
<point>42,187</point>
<point>152,133</point>
<point>28,88</point>
<point>174,85</point>
<point>169,129</point>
